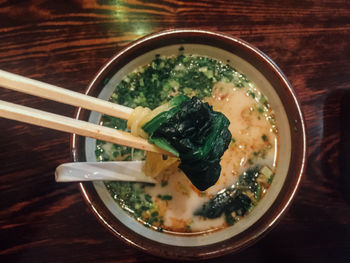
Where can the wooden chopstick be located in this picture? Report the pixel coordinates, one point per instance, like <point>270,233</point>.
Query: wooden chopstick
<point>57,122</point>
<point>44,90</point>
<point>62,123</point>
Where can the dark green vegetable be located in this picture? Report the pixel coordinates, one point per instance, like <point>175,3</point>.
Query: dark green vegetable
<point>197,134</point>
<point>229,201</point>
<point>233,199</point>
<point>218,204</point>
<point>240,204</point>
<point>247,180</point>
<point>154,124</point>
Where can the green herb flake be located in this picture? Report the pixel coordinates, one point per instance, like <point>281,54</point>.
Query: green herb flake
<point>164,183</point>
<point>263,100</point>
<point>239,85</point>
<point>264,138</point>
<point>271,179</point>
<point>154,214</point>
<point>165,197</point>
<point>148,198</point>
<point>258,192</point>
<point>251,94</point>
<point>233,140</point>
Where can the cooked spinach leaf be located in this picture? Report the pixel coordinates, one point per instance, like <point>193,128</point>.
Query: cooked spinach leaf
<point>198,134</point>
<point>247,180</point>
<point>175,103</point>
<point>228,201</point>
<point>218,204</point>
<point>234,199</point>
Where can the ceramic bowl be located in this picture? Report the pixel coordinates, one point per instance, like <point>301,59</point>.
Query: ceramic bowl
<point>261,70</point>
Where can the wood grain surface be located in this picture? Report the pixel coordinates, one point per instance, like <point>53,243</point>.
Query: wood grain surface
<point>65,43</point>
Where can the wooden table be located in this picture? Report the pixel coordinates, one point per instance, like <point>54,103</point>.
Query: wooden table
<point>66,42</point>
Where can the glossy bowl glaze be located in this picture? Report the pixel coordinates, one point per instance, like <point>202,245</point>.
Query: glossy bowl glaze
<point>292,147</point>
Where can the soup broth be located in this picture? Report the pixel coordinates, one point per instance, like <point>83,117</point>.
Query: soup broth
<point>174,205</point>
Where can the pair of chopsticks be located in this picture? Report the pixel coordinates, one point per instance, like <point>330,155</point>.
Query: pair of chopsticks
<point>62,123</point>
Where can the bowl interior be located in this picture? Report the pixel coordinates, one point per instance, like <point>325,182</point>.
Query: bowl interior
<point>284,152</point>
<point>260,70</point>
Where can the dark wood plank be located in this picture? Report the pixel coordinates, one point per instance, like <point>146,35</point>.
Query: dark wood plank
<point>66,42</point>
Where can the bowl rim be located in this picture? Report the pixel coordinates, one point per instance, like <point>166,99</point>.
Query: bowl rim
<point>265,223</point>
